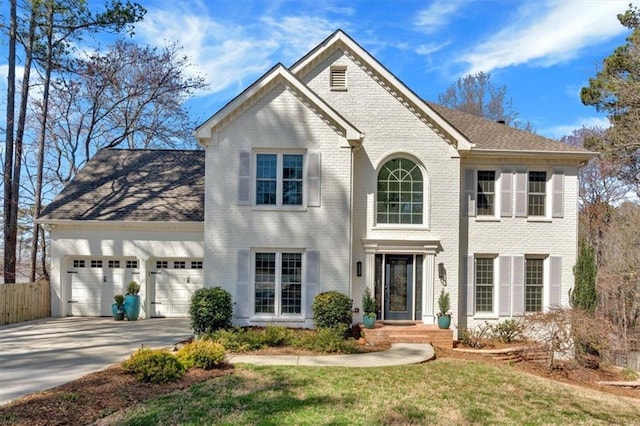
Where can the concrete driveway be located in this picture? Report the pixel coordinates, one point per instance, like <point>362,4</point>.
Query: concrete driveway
<point>39,355</point>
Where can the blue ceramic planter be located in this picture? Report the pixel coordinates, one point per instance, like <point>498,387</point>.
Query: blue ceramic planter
<point>132,306</point>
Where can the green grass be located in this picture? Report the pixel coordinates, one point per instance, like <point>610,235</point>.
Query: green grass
<point>441,392</point>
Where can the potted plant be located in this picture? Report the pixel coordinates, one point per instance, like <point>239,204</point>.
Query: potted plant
<point>132,301</point>
<point>444,304</point>
<point>369,309</point>
<point>117,309</point>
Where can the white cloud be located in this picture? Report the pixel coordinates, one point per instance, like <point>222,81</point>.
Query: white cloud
<point>437,15</point>
<point>428,49</point>
<point>228,53</point>
<point>547,33</point>
<point>561,130</point>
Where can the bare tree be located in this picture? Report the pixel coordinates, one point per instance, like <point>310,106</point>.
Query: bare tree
<point>477,95</point>
<point>129,96</point>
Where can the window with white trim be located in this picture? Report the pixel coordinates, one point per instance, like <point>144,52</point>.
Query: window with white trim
<point>162,264</point>
<point>537,193</point>
<point>179,264</point>
<point>78,263</point>
<point>400,192</point>
<point>113,264</point>
<point>132,264</point>
<point>197,264</point>
<point>486,191</point>
<point>96,263</point>
<point>278,283</point>
<point>534,284</point>
<point>279,179</point>
<point>484,284</point>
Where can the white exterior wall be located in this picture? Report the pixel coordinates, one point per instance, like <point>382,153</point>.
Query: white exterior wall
<point>522,236</point>
<point>391,129</point>
<point>140,241</point>
<point>277,121</point>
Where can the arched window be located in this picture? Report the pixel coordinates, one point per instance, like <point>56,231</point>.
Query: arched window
<point>400,192</point>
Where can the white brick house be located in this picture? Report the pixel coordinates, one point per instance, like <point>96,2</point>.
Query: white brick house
<point>333,175</point>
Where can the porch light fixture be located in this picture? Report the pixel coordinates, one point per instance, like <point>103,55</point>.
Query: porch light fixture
<point>442,273</point>
<point>359,269</point>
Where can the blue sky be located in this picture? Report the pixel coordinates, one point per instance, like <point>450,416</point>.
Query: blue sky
<point>544,51</point>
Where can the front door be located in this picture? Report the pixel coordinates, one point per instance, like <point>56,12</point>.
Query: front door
<point>398,287</point>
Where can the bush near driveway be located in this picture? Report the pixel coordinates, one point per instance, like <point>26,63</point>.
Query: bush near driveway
<point>154,365</point>
<point>210,309</point>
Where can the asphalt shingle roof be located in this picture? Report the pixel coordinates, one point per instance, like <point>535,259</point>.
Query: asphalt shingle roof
<point>135,185</point>
<point>487,134</point>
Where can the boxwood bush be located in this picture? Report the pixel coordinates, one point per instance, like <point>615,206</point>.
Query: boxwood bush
<point>210,309</point>
<point>153,365</point>
<point>332,309</point>
<point>201,353</point>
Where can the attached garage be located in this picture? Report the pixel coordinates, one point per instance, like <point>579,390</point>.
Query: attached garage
<point>129,215</point>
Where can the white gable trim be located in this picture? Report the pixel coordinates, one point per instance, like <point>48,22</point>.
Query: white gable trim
<point>340,40</point>
<point>277,75</point>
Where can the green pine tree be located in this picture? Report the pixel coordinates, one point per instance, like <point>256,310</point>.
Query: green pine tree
<point>584,294</point>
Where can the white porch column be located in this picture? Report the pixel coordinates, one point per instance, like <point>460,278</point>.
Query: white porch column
<point>428,273</point>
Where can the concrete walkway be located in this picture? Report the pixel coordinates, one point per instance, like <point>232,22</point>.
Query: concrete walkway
<point>399,354</point>
<point>39,355</point>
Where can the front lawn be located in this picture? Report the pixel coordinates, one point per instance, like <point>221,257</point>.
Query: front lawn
<point>447,391</point>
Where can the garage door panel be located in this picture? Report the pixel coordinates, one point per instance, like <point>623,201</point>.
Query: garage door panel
<point>92,291</point>
<point>173,291</point>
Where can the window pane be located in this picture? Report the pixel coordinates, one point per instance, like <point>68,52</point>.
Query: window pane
<point>291,283</point>
<point>265,275</point>
<point>292,193</point>
<point>400,187</point>
<point>266,175</point>
<point>486,192</point>
<point>534,285</point>
<point>484,284</point>
<point>537,193</point>
<point>292,166</point>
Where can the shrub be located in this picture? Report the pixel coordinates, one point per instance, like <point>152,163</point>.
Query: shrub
<point>201,353</point>
<point>474,337</point>
<point>231,340</point>
<point>133,288</point>
<point>153,365</point>
<point>508,331</point>
<point>332,309</point>
<point>119,299</point>
<point>444,303</point>
<point>210,309</point>
<point>277,336</point>
<point>328,340</point>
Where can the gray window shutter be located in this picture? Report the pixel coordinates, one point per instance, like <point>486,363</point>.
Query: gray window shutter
<point>555,281</point>
<point>243,308</point>
<point>518,285</point>
<point>313,280</point>
<point>506,190</point>
<point>521,193</point>
<point>470,191</point>
<point>471,293</point>
<point>244,178</point>
<point>504,305</point>
<point>557,184</point>
<point>313,180</point>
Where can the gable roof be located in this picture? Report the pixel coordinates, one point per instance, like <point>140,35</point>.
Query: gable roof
<point>278,74</point>
<point>472,134</point>
<point>489,136</point>
<point>134,185</point>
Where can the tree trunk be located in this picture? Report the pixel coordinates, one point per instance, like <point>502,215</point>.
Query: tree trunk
<point>37,208</point>
<point>9,244</point>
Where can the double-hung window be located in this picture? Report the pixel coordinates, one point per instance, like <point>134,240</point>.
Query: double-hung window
<point>278,283</point>
<point>537,193</point>
<point>534,284</point>
<point>279,179</point>
<point>484,284</point>
<point>486,192</point>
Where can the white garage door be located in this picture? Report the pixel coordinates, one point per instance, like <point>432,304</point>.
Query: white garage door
<point>94,282</point>
<point>175,283</point>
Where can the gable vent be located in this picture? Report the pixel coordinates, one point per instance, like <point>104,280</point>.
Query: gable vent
<point>338,78</point>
